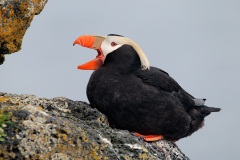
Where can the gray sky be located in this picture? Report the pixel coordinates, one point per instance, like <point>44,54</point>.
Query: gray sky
<point>196,42</point>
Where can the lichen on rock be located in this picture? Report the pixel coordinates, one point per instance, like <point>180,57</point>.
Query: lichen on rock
<point>15,17</point>
<point>60,128</point>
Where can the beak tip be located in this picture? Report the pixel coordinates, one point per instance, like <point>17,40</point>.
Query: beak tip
<point>76,42</point>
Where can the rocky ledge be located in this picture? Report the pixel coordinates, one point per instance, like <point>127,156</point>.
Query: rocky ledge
<point>59,128</point>
<point>15,18</point>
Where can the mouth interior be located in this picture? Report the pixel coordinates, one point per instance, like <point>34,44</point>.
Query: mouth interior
<point>100,55</point>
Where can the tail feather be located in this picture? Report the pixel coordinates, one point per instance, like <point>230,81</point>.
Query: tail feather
<point>198,113</point>
<point>205,110</point>
<point>210,109</point>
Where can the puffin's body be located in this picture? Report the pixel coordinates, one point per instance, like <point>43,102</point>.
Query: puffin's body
<point>147,101</point>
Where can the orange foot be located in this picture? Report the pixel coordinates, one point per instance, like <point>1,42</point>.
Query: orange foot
<point>150,138</point>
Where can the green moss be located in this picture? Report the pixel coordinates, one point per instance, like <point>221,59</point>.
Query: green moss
<point>4,121</point>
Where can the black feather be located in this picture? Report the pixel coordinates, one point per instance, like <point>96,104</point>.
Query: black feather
<point>115,35</point>
<point>143,101</point>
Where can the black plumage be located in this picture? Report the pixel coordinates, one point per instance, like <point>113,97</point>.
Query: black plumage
<point>144,101</point>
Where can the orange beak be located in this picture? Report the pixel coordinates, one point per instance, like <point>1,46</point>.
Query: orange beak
<point>93,42</point>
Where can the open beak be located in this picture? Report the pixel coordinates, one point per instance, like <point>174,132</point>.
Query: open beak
<point>93,42</point>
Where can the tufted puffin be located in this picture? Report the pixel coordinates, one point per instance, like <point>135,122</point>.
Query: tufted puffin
<point>137,97</point>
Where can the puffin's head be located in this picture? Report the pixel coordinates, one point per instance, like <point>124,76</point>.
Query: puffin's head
<point>106,45</point>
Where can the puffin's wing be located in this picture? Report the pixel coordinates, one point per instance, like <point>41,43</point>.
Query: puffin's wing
<point>162,81</point>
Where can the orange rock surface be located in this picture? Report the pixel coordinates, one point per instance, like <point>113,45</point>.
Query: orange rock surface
<point>15,18</point>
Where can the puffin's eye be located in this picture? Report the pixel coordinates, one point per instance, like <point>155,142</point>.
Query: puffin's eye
<point>113,44</point>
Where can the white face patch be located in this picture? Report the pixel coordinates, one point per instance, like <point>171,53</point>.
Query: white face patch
<point>107,46</point>
<point>111,43</point>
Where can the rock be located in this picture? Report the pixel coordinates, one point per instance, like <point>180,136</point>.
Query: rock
<point>15,18</point>
<point>59,128</point>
